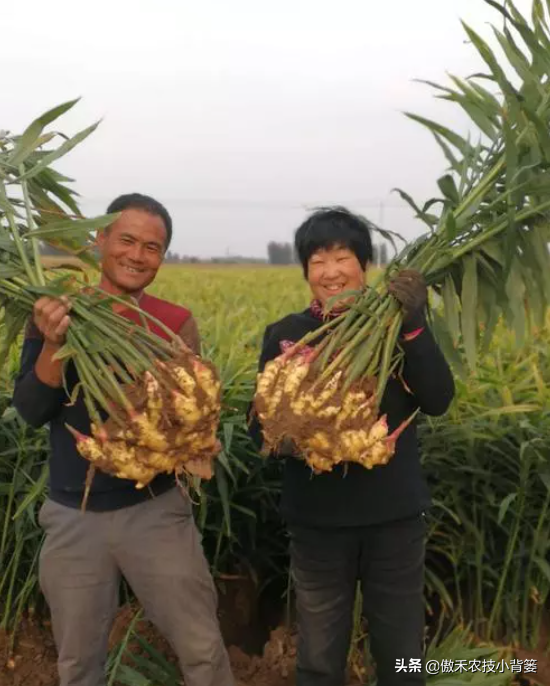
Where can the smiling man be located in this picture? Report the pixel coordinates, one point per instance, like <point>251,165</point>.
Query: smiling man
<point>132,250</point>
<point>148,535</point>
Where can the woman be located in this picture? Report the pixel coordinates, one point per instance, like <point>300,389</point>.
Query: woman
<point>358,524</point>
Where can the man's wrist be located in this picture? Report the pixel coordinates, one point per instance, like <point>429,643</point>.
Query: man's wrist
<point>51,346</point>
<point>47,370</point>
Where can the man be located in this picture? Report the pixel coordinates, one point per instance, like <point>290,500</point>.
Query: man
<point>147,535</point>
<point>352,524</point>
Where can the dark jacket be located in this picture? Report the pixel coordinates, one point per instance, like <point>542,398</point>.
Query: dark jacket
<point>352,495</point>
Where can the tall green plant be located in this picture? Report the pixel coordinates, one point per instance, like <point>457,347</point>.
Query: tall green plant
<point>107,349</point>
<point>485,252</point>
<point>488,463</point>
<point>23,474</point>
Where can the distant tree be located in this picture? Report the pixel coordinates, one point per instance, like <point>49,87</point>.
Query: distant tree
<point>274,252</point>
<point>384,254</point>
<point>280,253</point>
<point>287,253</point>
<point>376,254</point>
<point>172,258</point>
<point>236,259</point>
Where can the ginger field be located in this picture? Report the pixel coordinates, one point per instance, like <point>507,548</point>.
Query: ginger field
<point>233,304</point>
<point>487,462</point>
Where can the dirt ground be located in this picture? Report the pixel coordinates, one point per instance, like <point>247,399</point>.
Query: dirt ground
<point>34,659</point>
<point>33,662</point>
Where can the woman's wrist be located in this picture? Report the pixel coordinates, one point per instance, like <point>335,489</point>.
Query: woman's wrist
<point>412,327</point>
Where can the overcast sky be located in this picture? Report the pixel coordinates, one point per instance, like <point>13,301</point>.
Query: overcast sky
<point>241,114</point>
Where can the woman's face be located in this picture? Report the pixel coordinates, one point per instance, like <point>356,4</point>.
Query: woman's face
<point>332,271</point>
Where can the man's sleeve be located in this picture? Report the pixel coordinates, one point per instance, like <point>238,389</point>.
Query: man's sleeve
<point>427,374</point>
<point>36,402</point>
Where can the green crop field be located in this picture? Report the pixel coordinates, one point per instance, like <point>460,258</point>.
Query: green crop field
<point>233,304</point>
<point>487,462</point>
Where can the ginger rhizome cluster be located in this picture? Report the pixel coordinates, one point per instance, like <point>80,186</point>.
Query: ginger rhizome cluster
<point>328,422</point>
<point>169,424</point>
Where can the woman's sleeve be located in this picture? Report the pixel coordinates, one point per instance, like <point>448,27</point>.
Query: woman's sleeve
<point>428,375</point>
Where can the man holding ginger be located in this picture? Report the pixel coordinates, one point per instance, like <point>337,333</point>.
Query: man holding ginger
<point>148,535</point>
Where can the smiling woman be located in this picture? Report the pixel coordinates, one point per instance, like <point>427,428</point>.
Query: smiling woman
<point>335,249</point>
<point>353,518</point>
<point>333,271</point>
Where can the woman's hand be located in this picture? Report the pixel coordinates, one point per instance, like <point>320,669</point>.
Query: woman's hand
<point>410,290</point>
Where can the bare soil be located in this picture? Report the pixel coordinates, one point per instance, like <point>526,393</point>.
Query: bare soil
<point>542,655</point>
<point>33,660</point>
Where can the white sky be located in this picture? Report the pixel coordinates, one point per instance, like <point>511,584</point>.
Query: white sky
<point>240,114</point>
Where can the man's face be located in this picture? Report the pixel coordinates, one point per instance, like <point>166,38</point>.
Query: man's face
<point>132,250</point>
<point>332,272</point>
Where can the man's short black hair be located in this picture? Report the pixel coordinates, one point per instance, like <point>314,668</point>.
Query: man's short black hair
<point>329,227</point>
<point>137,201</point>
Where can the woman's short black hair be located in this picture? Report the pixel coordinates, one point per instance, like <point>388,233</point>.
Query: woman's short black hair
<point>329,227</point>
<point>137,201</point>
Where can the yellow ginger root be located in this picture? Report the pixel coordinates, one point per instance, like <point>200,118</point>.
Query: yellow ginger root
<point>275,399</point>
<point>379,453</point>
<point>184,380</point>
<point>319,463</point>
<point>296,372</point>
<point>378,431</point>
<point>148,435</point>
<point>325,395</point>
<point>187,410</point>
<point>268,377</point>
<point>327,412</point>
<point>171,425</point>
<point>159,462</point>
<point>114,457</point>
<point>302,403</point>
<point>329,423</point>
<point>319,441</point>
<point>88,447</point>
<point>207,381</point>
<point>154,399</point>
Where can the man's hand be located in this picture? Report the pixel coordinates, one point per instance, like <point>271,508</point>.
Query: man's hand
<point>51,317</point>
<point>410,289</point>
